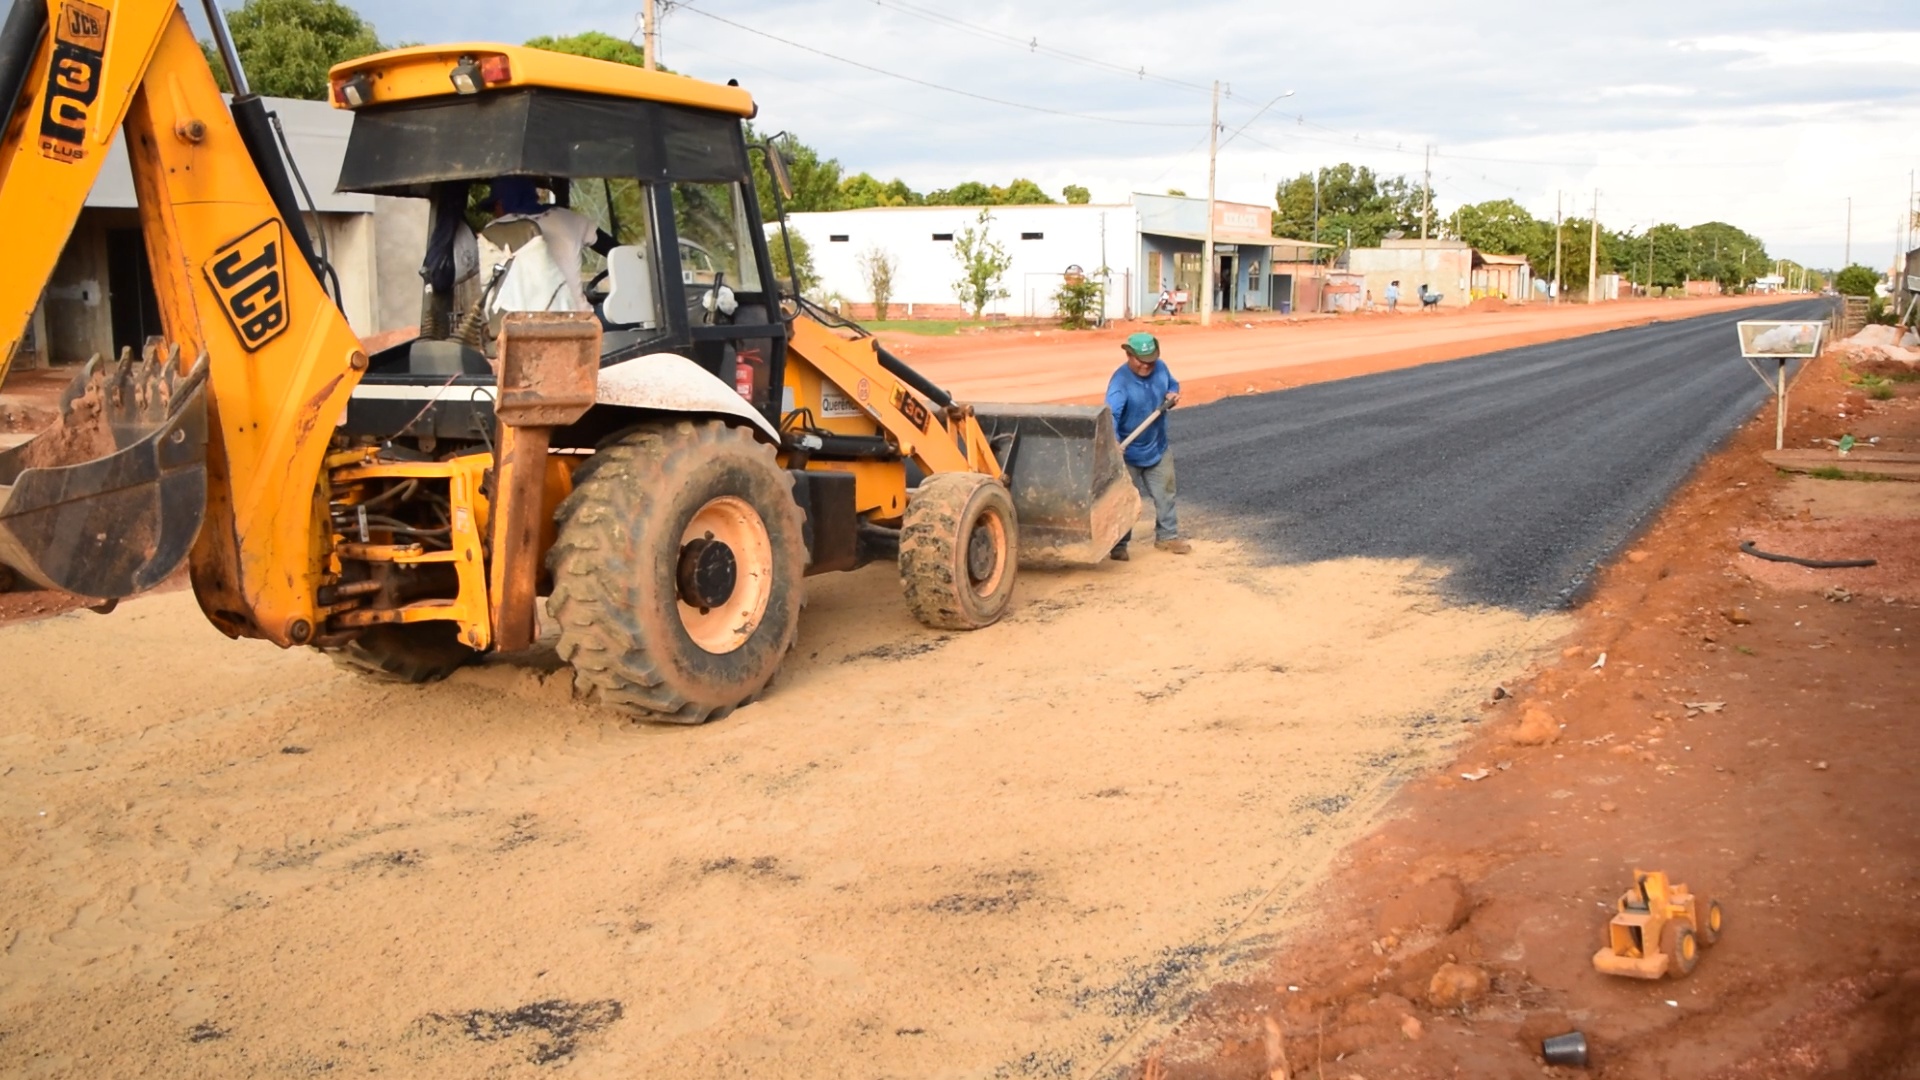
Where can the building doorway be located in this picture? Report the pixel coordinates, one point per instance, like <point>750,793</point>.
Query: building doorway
<point>131,301</point>
<point>1282,293</point>
<point>1226,291</point>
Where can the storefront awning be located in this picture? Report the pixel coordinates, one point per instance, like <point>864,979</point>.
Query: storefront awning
<point>1243,240</point>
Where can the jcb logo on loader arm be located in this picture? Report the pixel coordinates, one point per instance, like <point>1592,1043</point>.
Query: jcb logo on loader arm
<point>73,80</point>
<point>251,282</point>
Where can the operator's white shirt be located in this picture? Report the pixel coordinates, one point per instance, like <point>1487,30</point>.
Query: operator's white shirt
<point>545,275</point>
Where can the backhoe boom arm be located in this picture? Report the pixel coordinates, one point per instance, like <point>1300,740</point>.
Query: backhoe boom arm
<point>228,271</point>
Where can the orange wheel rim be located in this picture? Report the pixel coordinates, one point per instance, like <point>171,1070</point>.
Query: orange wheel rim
<point>730,620</point>
<point>984,574</point>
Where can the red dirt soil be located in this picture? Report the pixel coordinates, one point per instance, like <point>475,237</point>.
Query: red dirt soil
<point>1751,731</point>
<point>1253,354</point>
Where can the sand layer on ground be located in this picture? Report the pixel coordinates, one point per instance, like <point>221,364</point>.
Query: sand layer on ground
<point>1006,853</point>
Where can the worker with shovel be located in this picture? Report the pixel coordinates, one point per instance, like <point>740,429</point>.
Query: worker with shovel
<point>1140,394</point>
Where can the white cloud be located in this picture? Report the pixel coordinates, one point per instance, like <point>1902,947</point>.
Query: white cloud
<point>1813,49</point>
<point>1759,114</point>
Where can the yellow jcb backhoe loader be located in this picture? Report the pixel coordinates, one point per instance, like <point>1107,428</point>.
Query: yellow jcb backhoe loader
<point>609,403</point>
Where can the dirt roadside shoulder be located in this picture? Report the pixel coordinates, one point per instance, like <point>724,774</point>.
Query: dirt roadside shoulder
<point>1264,353</point>
<point>1745,726</point>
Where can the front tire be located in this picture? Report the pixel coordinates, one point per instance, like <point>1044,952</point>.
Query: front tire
<point>677,571</point>
<point>959,547</point>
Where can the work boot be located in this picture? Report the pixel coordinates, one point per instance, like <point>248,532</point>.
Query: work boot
<point>1119,554</point>
<point>1176,545</point>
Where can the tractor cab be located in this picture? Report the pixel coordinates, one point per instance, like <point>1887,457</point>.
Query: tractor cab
<point>558,183</point>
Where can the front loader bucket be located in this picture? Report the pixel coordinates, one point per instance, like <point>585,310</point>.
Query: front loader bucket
<point>1071,493</point>
<point>107,502</point>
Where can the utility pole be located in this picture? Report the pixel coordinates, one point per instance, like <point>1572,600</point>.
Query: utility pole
<point>1558,235</point>
<point>1593,253</point>
<point>1848,261</point>
<point>1650,227</point>
<point>1207,271</point>
<point>1426,194</point>
<point>649,28</point>
<point>1316,204</point>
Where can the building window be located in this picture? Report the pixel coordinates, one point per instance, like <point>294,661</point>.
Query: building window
<point>1033,236</point>
<point>943,236</point>
<point>837,238</point>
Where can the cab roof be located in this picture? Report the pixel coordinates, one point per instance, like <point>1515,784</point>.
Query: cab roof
<point>427,71</point>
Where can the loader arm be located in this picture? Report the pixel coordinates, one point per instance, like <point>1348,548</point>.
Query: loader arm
<point>231,283</point>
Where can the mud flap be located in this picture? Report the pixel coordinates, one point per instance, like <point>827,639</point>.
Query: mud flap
<point>1071,493</point>
<point>108,502</point>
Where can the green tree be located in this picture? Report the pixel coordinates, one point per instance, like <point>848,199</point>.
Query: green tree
<point>801,273</point>
<point>1078,300</point>
<point>1577,243</point>
<point>286,46</point>
<point>1856,280</point>
<point>594,45</point>
<point>1021,192</point>
<point>877,266</point>
<point>1504,227</point>
<point>965,193</point>
<point>816,180</point>
<point>863,190</point>
<point>983,263</point>
<point>1352,199</point>
<point>1076,195</point>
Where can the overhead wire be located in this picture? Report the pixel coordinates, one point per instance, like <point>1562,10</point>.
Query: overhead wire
<point>933,85</point>
<point>1031,43</point>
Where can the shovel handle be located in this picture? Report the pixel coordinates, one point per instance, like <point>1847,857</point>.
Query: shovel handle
<point>1144,424</point>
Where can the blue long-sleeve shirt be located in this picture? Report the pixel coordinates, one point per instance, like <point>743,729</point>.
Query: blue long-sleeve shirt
<point>1132,400</point>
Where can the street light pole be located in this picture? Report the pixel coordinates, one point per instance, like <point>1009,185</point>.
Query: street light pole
<point>1206,259</point>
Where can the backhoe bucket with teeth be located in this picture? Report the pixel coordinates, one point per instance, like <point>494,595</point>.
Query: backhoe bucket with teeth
<point>107,503</point>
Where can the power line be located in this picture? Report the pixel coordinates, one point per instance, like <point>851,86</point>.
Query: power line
<point>933,85</point>
<point>1032,44</point>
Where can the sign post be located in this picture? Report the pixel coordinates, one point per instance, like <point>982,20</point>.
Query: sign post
<point>1779,342</point>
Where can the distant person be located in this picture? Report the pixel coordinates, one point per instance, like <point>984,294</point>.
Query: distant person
<point>1142,385</point>
<point>1393,296</point>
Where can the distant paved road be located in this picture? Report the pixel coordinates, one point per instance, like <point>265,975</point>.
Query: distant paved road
<point>1521,470</point>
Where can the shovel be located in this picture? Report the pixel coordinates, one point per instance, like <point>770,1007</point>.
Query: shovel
<point>1144,425</point>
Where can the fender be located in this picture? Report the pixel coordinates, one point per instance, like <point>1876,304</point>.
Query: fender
<point>667,382</point>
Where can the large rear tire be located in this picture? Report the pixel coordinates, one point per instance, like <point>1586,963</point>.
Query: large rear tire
<point>677,571</point>
<point>408,652</point>
<point>959,547</point>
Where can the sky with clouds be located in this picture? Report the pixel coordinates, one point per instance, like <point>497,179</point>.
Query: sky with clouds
<point>1768,115</point>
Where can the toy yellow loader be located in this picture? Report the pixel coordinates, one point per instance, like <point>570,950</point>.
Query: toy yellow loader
<point>1658,929</point>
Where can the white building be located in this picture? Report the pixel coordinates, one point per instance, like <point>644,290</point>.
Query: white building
<point>1148,244</point>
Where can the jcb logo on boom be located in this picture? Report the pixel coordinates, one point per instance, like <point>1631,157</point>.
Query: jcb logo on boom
<point>73,80</point>
<point>249,277</point>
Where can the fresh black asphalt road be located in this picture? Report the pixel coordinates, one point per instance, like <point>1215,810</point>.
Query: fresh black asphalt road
<point>1519,470</point>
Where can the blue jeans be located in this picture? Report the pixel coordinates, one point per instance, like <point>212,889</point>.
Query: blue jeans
<point>1155,482</point>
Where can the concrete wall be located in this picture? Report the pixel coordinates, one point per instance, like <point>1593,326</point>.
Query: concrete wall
<point>78,320</point>
<point>1043,241</point>
<point>399,243</point>
<point>1445,266</point>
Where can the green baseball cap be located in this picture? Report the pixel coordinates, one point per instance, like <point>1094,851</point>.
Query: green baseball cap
<point>1142,346</point>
